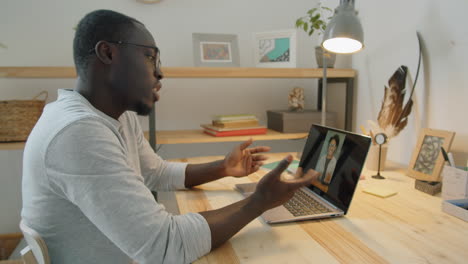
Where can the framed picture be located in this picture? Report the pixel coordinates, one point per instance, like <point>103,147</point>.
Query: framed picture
<point>276,49</point>
<point>427,160</point>
<point>215,50</point>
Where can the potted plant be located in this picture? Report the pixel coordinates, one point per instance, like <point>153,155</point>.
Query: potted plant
<point>315,21</point>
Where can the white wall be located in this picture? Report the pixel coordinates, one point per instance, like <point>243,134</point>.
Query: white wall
<point>442,90</point>
<point>39,33</point>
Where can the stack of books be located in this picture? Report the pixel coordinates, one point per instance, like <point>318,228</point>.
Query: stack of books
<point>234,125</point>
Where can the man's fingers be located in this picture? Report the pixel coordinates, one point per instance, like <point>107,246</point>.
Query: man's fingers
<point>257,163</point>
<point>259,149</point>
<point>255,168</point>
<point>283,165</point>
<point>246,144</point>
<point>315,174</point>
<point>259,157</point>
<point>248,165</point>
<point>299,172</point>
<point>305,180</point>
<point>245,159</point>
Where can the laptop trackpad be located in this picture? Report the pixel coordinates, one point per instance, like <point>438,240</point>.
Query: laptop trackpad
<point>277,213</point>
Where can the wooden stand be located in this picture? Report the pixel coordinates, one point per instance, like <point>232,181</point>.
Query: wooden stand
<point>431,188</point>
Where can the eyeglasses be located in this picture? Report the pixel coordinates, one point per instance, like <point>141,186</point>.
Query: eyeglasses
<point>156,59</point>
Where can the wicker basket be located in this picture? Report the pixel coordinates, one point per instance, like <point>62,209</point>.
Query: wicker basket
<point>18,117</point>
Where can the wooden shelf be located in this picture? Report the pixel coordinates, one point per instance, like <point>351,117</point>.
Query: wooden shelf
<point>12,146</point>
<point>188,72</point>
<point>191,136</point>
<point>194,136</point>
<point>38,72</point>
<point>204,72</point>
<point>197,136</point>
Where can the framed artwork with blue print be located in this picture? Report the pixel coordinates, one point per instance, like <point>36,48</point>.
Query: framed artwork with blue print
<point>275,49</point>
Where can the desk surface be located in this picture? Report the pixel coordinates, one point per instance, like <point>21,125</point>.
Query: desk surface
<point>406,228</point>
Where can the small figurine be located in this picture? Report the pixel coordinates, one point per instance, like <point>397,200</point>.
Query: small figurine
<point>296,99</point>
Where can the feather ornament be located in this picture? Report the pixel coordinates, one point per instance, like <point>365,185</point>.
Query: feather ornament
<point>393,117</point>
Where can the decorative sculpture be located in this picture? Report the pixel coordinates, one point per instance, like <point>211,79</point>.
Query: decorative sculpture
<point>296,99</point>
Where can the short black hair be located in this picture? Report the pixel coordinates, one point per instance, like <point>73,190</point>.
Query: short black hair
<point>336,138</point>
<point>94,27</point>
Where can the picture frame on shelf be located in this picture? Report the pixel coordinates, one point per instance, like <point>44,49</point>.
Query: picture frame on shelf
<point>275,49</point>
<point>215,50</point>
<point>427,160</point>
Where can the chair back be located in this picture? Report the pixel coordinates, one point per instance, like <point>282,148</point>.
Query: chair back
<point>35,243</point>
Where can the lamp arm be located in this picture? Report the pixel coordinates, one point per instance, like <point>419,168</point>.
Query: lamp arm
<point>324,89</point>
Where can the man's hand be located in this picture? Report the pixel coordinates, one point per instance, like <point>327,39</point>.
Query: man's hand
<point>241,161</point>
<point>271,191</point>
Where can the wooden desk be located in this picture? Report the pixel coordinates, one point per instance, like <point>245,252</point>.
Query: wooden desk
<point>406,228</point>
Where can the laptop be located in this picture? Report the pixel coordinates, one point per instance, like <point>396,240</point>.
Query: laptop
<point>338,156</point>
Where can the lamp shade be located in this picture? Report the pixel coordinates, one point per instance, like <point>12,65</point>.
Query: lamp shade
<point>344,32</point>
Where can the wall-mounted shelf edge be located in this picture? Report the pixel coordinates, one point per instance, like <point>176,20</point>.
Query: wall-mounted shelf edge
<point>190,136</point>
<point>188,72</point>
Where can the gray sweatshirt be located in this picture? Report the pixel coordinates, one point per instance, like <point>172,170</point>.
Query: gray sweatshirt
<point>86,190</point>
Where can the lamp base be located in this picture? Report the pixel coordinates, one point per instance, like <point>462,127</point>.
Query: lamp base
<point>378,176</point>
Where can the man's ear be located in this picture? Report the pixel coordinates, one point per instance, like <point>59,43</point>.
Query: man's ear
<point>104,52</point>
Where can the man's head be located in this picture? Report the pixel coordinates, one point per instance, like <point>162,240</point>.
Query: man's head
<point>333,143</point>
<point>117,54</point>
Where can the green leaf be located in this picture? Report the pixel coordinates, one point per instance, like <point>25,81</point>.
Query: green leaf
<point>311,11</point>
<point>315,18</point>
<point>3,46</point>
<point>299,22</point>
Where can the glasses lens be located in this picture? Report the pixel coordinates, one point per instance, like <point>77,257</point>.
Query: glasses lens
<point>157,61</point>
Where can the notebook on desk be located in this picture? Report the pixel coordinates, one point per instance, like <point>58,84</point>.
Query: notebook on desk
<point>339,157</point>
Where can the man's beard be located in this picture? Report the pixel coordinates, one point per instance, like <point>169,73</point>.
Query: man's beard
<point>143,109</point>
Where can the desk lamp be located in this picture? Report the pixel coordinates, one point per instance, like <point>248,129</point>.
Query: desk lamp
<point>344,35</point>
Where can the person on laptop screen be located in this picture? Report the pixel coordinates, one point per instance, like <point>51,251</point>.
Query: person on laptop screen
<point>327,162</point>
<point>337,156</point>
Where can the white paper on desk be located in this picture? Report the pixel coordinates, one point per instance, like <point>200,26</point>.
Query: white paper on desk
<point>379,191</point>
<point>454,183</point>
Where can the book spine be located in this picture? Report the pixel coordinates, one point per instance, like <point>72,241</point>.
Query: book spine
<point>234,117</point>
<point>236,124</point>
<point>222,129</point>
<point>245,132</point>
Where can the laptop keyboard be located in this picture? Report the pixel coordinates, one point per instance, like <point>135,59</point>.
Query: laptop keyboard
<point>302,204</point>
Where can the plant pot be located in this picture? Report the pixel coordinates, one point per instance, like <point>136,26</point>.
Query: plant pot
<point>330,57</point>
<point>372,162</point>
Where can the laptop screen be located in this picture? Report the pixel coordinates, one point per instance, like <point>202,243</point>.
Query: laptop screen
<point>339,157</point>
